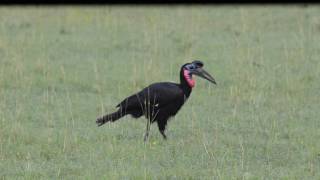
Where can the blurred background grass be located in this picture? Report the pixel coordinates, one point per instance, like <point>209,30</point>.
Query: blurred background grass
<point>63,66</point>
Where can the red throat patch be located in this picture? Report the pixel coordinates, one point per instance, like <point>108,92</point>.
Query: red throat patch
<point>191,82</point>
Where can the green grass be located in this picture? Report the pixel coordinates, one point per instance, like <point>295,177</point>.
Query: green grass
<point>61,67</point>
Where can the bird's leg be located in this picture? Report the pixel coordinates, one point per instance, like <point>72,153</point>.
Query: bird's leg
<point>164,136</point>
<point>147,130</point>
<point>147,114</point>
<point>162,128</point>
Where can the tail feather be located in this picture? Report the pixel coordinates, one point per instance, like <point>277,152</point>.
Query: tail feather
<point>109,117</point>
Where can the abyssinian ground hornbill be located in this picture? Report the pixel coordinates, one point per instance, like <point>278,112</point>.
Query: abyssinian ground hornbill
<point>159,101</point>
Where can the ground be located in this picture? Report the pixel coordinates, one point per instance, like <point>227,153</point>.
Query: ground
<point>63,66</point>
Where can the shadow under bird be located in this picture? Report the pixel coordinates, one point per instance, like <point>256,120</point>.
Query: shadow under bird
<point>159,101</point>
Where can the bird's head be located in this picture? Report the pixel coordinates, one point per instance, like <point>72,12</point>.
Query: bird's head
<point>195,68</point>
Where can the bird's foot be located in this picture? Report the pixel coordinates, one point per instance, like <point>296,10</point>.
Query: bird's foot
<point>146,137</point>
<point>163,135</point>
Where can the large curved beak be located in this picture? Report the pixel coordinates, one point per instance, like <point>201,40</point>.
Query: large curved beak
<point>204,74</point>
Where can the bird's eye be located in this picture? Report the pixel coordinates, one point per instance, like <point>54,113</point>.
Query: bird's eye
<point>191,66</point>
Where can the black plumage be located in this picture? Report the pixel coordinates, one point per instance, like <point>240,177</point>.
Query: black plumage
<point>159,101</point>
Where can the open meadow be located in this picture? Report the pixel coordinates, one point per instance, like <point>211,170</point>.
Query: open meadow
<point>61,67</point>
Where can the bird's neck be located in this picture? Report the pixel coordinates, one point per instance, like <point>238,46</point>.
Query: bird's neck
<point>186,82</point>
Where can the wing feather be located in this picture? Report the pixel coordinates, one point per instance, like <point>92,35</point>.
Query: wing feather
<point>158,94</point>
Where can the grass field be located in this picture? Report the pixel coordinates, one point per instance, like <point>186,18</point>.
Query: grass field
<point>62,67</point>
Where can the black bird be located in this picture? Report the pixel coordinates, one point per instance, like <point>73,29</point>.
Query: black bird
<point>159,101</point>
